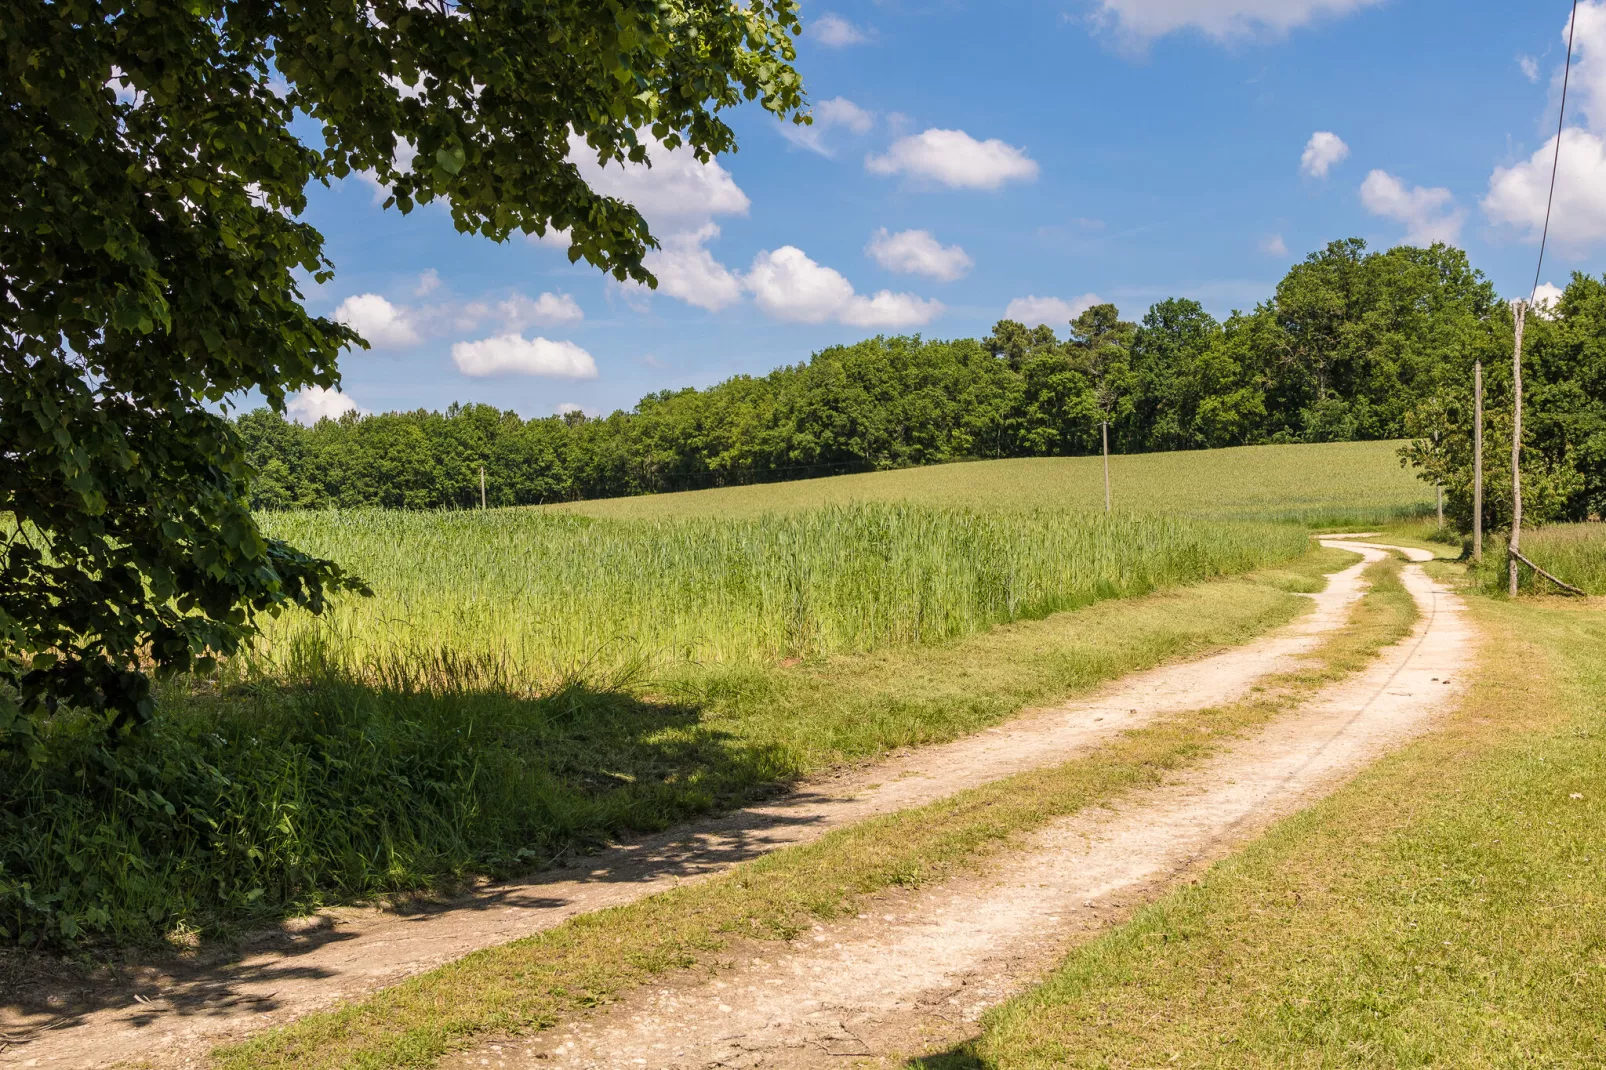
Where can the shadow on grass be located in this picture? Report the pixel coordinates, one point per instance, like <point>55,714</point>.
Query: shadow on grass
<point>285,798</point>
<point>242,805</point>
<point>961,1057</point>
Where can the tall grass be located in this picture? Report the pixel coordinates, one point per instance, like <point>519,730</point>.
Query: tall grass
<point>527,683</point>
<point>1575,553</point>
<point>548,596</point>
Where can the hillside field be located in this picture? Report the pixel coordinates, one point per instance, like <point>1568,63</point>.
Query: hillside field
<point>1320,485</point>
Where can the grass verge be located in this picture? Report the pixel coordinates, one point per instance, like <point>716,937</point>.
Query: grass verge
<point>1447,908</point>
<point>532,983</point>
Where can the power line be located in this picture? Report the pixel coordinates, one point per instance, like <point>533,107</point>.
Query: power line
<point>1566,75</point>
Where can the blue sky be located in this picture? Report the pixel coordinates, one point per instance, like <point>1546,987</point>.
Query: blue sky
<point>972,160</point>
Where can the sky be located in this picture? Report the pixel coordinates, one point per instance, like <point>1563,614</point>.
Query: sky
<point>977,159</point>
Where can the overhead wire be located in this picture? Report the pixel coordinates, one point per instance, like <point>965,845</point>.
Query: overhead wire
<point>1555,164</point>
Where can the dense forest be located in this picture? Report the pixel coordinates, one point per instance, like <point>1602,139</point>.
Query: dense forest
<point>1352,345</point>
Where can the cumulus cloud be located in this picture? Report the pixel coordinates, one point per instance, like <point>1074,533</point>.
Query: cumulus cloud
<point>428,283</point>
<point>1140,21</point>
<point>548,310</point>
<point>1049,311</point>
<point>1517,194</point>
<point>788,285</point>
<point>384,325</point>
<point>318,403</point>
<point>1589,64</point>
<point>554,238</point>
<point>834,114</point>
<point>1529,67</point>
<point>688,271</point>
<point>1546,299</point>
<point>1429,215</point>
<point>680,197</point>
<point>916,252</point>
<point>955,159</point>
<point>834,31</point>
<point>677,192</point>
<point>1273,245</point>
<point>512,354</point>
<point>1322,151</point>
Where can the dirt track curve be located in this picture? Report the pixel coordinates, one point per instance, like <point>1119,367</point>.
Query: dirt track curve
<point>916,974</point>
<point>975,940</point>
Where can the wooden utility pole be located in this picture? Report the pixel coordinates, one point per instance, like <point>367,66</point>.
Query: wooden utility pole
<point>1477,462</point>
<point>482,486</point>
<point>1519,311</point>
<point>1106,429</point>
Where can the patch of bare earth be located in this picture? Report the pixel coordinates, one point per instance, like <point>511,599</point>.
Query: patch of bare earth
<point>171,1012</point>
<point>915,973</point>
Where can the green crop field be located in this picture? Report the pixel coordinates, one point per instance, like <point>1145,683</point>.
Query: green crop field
<point>544,598</point>
<point>529,681</point>
<point>1326,485</point>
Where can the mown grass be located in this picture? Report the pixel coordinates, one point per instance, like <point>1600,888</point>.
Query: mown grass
<point>532,983</point>
<point>1575,553</point>
<point>1448,908</point>
<point>1323,485</point>
<point>547,597</point>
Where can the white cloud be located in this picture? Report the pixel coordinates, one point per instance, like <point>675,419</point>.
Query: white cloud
<point>428,283</point>
<point>1517,194</point>
<point>1273,245</point>
<point>547,310</point>
<point>1049,311</point>
<point>124,90</point>
<point>1429,215</point>
<point>834,31</point>
<point>1143,20</point>
<point>687,270</point>
<point>916,252</point>
<point>1589,64</point>
<point>1546,299</point>
<point>1322,151</point>
<point>836,113</point>
<point>788,285</point>
<point>676,193</point>
<point>1530,67</point>
<point>511,354</point>
<point>565,407</point>
<point>317,403</point>
<point>554,238</point>
<point>384,325</point>
<point>955,159</point>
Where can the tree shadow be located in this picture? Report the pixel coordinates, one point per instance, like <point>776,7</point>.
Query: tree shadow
<point>496,801</point>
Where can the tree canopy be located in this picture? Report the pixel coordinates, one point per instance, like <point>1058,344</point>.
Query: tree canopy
<point>150,249</point>
<point>1352,345</point>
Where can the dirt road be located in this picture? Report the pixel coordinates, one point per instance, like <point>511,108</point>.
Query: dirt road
<point>171,1014</point>
<point>915,974</point>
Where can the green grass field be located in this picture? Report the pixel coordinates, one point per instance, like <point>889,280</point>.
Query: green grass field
<point>1327,485</point>
<point>528,682</point>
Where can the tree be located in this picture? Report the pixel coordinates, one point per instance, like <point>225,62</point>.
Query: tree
<point>1563,419</point>
<point>149,245</point>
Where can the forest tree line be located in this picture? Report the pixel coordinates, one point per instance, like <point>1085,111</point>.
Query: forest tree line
<point>1352,345</point>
